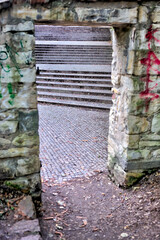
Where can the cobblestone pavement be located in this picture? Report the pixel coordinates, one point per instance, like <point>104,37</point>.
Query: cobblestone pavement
<point>73,142</point>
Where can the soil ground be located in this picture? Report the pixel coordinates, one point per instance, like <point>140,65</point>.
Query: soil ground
<point>95,209</point>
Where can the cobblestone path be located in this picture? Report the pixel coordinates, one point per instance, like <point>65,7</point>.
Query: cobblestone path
<point>73,142</point>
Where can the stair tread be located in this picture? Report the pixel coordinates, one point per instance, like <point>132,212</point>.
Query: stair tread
<point>74,89</point>
<point>76,104</point>
<point>75,74</point>
<point>78,79</point>
<point>90,97</point>
<point>75,84</point>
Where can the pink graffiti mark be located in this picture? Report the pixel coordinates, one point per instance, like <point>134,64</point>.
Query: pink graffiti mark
<point>150,61</point>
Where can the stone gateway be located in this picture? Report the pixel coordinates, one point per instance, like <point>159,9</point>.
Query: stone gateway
<point>134,131</point>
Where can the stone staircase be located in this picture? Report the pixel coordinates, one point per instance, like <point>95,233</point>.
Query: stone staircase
<point>78,89</point>
<point>73,54</point>
<point>73,73</point>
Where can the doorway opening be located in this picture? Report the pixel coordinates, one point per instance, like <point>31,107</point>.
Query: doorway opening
<point>74,98</point>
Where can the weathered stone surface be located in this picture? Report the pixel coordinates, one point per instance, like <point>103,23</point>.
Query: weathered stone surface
<point>113,16</point>
<point>11,168</point>
<point>4,143</point>
<point>130,62</point>
<point>28,121</point>
<point>9,115</point>
<point>146,154</point>
<point>133,141</point>
<point>8,127</point>
<point>26,208</point>
<point>18,152</point>
<point>32,237</point>
<point>24,96</point>
<point>22,12</point>
<point>150,137</point>
<point>20,27</point>
<point>28,75</point>
<point>21,41</point>
<point>29,184</point>
<point>143,165</point>
<point>137,125</point>
<point>26,166</point>
<point>149,144</point>
<point>25,226</point>
<point>7,169</point>
<point>156,15</point>
<point>143,14</point>
<point>156,124</point>
<point>25,59</point>
<point>25,140</point>
<point>134,154</point>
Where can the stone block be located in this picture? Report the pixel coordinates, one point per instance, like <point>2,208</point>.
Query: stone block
<point>24,75</point>
<point>156,15</point>
<point>141,41</point>
<point>134,155</point>
<point>8,115</point>
<point>157,33</point>
<point>33,13</point>
<point>26,208</point>
<point>113,16</point>
<point>24,59</point>
<point>133,141</point>
<point>4,143</point>
<point>146,154</point>
<point>143,165</point>
<point>15,96</point>
<point>28,121</point>
<point>8,127</point>
<point>137,105</point>
<point>137,125</point>
<point>20,27</point>
<point>11,168</point>
<point>18,152</point>
<point>25,140</point>
<point>156,124</point>
<point>150,137</point>
<point>143,14</point>
<point>154,106</point>
<point>29,184</point>
<point>149,144</point>
<point>25,226</point>
<point>130,62</point>
<point>32,237</point>
<point>156,154</point>
<point>7,169</point>
<point>20,42</point>
<point>26,166</point>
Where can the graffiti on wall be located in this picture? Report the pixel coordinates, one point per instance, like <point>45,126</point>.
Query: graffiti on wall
<point>151,62</point>
<point>10,54</point>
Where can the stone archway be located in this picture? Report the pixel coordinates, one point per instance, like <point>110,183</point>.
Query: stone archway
<point>134,138</point>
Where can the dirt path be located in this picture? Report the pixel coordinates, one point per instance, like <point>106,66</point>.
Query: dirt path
<point>95,209</point>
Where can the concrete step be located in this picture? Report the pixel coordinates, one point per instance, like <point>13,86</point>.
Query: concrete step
<point>82,62</point>
<point>77,97</point>
<point>83,104</point>
<point>65,79</point>
<point>72,45</point>
<point>72,32</point>
<point>72,90</point>
<point>73,56</point>
<point>75,85</point>
<point>75,74</point>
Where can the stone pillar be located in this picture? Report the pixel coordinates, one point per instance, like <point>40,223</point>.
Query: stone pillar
<point>134,132</point>
<point>19,142</point>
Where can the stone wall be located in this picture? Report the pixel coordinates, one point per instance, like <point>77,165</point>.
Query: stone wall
<point>19,143</point>
<point>134,134</point>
